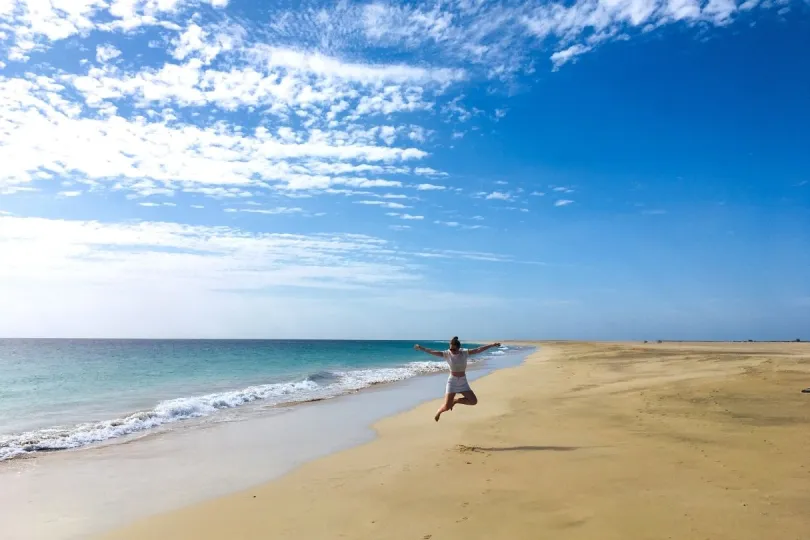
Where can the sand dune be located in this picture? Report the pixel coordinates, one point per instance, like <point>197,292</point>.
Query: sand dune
<point>583,441</point>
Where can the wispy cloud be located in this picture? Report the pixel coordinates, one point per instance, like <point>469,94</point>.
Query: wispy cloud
<point>430,187</point>
<point>268,211</point>
<point>406,216</point>
<point>503,37</point>
<point>458,225</point>
<point>382,204</point>
<point>151,204</point>
<point>563,202</point>
<point>169,255</point>
<point>498,196</point>
<point>427,171</point>
<point>560,58</point>
<point>464,255</point>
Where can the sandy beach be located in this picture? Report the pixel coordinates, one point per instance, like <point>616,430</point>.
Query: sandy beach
<point>582,441</point>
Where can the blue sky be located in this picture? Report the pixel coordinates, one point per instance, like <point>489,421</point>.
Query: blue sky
<point>631,169</point>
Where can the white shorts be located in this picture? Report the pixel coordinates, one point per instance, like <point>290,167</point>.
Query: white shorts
<point>457,385</point>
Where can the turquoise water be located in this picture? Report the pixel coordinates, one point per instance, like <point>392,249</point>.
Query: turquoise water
<point>60,394</point>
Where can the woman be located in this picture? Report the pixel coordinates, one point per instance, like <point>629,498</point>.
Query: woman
<point>456,358</point>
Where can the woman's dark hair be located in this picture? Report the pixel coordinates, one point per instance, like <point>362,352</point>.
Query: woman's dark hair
<point>455,343</point>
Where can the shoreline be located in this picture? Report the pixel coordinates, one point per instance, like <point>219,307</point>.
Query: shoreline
<point>579,441</point>
<point>123,480</point>
<point>148,415</point>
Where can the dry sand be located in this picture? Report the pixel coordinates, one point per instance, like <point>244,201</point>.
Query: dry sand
<point>583,441</point>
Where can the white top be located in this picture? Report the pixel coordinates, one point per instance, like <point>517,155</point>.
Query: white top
<point>458,361</point>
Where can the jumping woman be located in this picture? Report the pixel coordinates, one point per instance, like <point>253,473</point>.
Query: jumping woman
<point>456,358</point>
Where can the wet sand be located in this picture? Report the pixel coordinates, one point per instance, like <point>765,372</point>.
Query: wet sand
<point>583,441</point>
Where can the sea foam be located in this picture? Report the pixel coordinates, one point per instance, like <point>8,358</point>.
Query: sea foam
<point>319,385</point>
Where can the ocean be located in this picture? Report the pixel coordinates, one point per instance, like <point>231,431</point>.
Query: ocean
<point>67,394</point>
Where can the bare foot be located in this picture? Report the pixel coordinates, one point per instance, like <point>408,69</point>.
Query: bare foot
<point>438,415</point>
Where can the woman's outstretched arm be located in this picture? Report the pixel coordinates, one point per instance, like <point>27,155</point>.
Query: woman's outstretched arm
<point>484,348</point>
<point>429,351</point>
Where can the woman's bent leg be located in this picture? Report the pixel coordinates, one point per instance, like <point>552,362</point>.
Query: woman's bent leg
<point>469,398</point>
<point>446,406</point>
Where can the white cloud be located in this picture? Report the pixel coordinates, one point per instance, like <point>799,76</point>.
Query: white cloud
<point>388,134</point>
<point>268,211</point>
<point>369,183</point>
<point>150,204</point>
<point>719,11</point>
<point>399,227</point>
<point>158,256</point>
<point>502,37</point>
<point>197,42</point>
<point>427,171</point>
<point>41,130</point>
<point>36,24</point>
<point>430,187</point>
<point>69,193</point>
<point>105,53</point>
<point>498,196</point>
<point>318,88</point>
<point>560,58</point>
<point>326,66</point>
<point>197,206</point>
<point>418,133</point>
<point>406,216</point>
<point>457,112</point>
<point>537,194</point>
<point>448,223</point>
<point>478,218</point>
<point>500,113</point>
<point>458,135</point>
<point>383,204</point>
<point>563,202</point>
<point>458,254</point>
<point>497,38</point>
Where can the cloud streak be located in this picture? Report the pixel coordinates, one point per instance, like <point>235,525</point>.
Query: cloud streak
<point>161,254</point>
